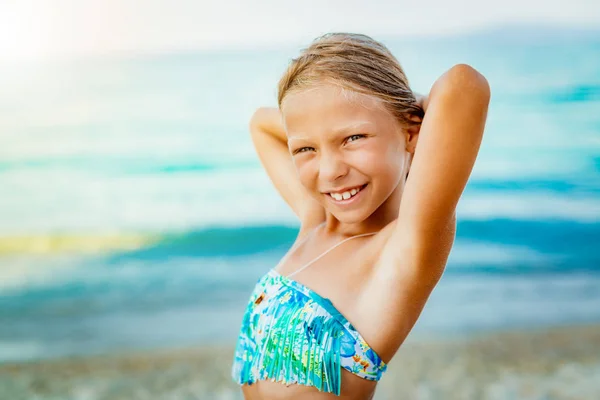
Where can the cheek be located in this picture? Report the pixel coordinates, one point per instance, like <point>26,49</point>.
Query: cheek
<point>381,162</point>
<point>307,172</point>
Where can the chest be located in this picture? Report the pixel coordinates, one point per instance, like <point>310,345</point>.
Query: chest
<point>339,276</point>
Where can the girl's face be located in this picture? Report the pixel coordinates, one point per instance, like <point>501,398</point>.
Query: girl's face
<point>349,151</point>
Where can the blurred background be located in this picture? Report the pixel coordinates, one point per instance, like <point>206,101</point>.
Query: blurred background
<point>135,216</point>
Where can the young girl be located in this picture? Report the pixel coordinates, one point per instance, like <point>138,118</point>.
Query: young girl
<point>377,215</point>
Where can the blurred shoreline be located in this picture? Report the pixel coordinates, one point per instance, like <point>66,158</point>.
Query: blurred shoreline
<point>556,363</point>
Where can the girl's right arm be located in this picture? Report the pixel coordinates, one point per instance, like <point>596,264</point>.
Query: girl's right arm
<point>270,141</point>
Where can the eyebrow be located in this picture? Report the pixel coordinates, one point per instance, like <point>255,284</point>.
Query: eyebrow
<point>337,132</point>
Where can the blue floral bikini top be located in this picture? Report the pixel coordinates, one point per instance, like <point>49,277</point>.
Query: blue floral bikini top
<point>291,334</point>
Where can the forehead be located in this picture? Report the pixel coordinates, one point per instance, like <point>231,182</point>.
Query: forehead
<point>327,107</point>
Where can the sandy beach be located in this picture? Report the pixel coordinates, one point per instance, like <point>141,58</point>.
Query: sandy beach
<point>557,363</point>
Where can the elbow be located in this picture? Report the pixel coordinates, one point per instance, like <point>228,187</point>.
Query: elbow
<point>257,121</point>
<point>467,78</point>
<point>264,119</point>
<point>254,122</point>
<point>464,80</point>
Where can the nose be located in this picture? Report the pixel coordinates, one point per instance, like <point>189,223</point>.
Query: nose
<point>331,166</point>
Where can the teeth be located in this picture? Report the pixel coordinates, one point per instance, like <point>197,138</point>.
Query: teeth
<point>345,195</point>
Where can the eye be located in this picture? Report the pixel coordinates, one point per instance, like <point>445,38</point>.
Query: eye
<point>353,138</point>
<point>302,150</point>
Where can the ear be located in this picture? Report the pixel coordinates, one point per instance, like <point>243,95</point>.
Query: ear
<point>412,133</point>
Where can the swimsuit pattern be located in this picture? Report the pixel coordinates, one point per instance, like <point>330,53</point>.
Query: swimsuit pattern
<point>291,334</point>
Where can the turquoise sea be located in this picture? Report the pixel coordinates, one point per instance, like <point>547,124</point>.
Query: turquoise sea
<point>156,148</point>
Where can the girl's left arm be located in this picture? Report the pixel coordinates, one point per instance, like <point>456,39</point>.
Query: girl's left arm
<point>448,142</point>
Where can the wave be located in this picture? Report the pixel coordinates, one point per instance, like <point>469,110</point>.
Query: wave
<point>532,240</point>
<point>208,242</point>
<point>220,265</point>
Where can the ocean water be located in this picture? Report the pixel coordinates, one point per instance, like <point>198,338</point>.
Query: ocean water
<point>145,163</point>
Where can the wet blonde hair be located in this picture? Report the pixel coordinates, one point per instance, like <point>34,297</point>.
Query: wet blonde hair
<point>355,62</point>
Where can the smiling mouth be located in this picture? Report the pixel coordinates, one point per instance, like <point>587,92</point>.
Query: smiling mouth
<point>347,195</point>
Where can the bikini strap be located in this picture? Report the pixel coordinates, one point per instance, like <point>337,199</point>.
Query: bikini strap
<point>293,249</point>
<point>327,251</point>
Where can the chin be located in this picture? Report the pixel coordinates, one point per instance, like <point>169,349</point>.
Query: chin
<point>351,217</point>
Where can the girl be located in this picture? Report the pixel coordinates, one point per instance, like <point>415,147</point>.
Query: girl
<point>377,215</point>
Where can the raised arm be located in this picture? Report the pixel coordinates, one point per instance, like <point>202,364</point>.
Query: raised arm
<point>449,139</point>
<point>270,141</point>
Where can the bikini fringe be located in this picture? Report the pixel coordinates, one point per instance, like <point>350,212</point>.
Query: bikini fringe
<point>322,365</point>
